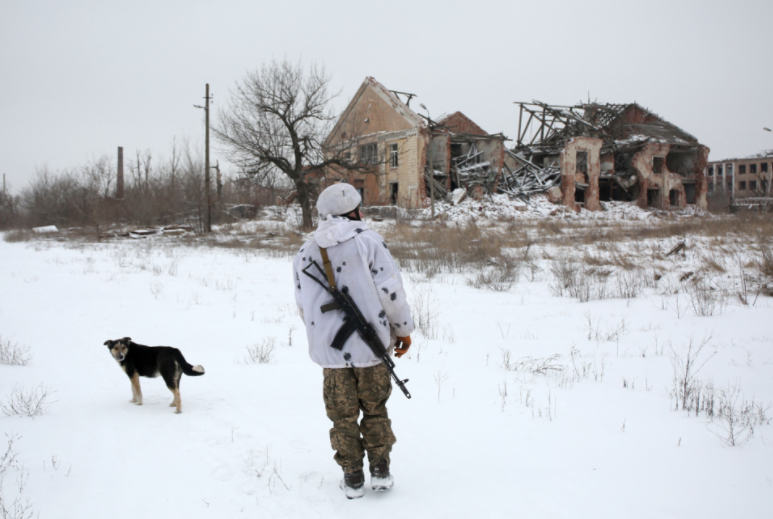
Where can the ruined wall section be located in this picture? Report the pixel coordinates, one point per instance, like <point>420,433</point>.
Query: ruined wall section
<point>643,162</point>
<point>569,173</point>
<point>701,180</point>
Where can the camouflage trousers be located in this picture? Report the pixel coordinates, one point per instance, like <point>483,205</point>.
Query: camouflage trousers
<point>347,391</point>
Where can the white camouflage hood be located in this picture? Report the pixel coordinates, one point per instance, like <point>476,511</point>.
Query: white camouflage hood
<point>336,229</point>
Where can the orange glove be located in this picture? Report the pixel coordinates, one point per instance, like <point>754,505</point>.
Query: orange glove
<point>403,343</point>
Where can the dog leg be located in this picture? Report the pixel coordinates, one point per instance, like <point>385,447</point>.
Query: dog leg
<point>175,389</point>
<point>136,391</point>
<point>177,402</point>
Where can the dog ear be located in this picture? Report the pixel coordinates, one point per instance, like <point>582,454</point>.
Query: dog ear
<point>126,340</point>
<point>109,343</point>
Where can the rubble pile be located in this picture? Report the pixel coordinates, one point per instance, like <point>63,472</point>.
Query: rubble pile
<point>528,178</point>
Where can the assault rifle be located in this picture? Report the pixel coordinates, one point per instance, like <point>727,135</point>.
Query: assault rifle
<point>354,320</point>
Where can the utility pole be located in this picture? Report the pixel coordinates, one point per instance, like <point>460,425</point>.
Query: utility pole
<point>206,160</point>
<point>207,97</point>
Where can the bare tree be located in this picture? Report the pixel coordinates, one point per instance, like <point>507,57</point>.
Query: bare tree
<point>276,120</point>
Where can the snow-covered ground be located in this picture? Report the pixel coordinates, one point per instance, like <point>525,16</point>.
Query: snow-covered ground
<point>595,436</point>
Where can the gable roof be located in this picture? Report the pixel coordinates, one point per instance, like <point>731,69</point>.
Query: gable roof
<point>411,117</point>
<point>460,123</point>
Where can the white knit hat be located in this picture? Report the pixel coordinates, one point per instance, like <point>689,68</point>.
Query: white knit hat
<point>338,199</point>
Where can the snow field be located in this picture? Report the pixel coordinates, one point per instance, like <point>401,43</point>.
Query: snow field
<point>596,436</point>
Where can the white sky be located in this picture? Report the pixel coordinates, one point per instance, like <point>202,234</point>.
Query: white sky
<point>79,78</point>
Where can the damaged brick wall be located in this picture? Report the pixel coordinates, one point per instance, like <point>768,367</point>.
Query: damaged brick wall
<point>460,123</point>
<point>568,164</point>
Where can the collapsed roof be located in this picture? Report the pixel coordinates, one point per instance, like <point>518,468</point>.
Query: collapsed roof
<point>544,128</point>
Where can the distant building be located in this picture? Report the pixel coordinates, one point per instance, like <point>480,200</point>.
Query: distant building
<point>613,152</point>
<point>748,177</point>
<point>401,151</point>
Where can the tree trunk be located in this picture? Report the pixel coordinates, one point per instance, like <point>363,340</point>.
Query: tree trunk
<point>305,191</point>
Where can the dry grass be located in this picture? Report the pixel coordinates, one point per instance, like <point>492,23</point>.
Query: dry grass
<point>18,236</point>
<point>432,249</point>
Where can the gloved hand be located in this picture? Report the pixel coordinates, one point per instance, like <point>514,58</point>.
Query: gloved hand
<point>403,343</point>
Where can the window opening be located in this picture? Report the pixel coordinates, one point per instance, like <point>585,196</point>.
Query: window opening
<point>582,163</point>
<point>689,193</point>
<point>752,168</point>
<point>652,197</point>
<point>579,194</point>
<point>657,164</point>
<point>673,197</point>
<point>393,193</point>
<point>742,169</point>
<point>393,160</point>
<point>753,185</point>
<point>742,185</point>
<point>369,153</point>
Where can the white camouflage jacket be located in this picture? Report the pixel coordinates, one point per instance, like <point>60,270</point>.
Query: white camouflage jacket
<point>364,269</point>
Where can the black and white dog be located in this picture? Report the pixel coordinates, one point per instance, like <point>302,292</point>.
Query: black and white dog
<point>151,361</point>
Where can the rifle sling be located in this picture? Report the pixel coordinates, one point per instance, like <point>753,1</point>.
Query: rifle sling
<point>328,268</point>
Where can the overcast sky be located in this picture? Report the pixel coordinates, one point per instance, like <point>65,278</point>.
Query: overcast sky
<point>79,78</point>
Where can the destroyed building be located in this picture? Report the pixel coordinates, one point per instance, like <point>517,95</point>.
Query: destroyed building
<point>590,153</point>
<point>405,156</point>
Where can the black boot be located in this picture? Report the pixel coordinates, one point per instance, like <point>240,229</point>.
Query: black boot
<point>353,483</point>
<point>380,478</point>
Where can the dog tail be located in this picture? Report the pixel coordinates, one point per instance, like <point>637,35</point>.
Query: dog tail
<point>191,371</point>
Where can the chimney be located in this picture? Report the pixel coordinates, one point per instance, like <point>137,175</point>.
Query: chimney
<point>119,180</point>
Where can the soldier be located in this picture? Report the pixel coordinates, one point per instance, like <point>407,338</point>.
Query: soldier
<point>354,377</point>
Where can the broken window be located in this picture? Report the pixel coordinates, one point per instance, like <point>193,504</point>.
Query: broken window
<point>729,170</point>
<point>456,150</point>
<point>711,171</point>
<point>393,193</point>
<point>689,193</point>
<point>605,190</point>
<point>579,194</point>
<point>653,195</point>
<point>742,185</point>
<point>369,153</point>
<point>753,185</point>
<point>752,168</point>
<point>764,167</point>
<point>673,197</point>
<point>680,162</point>
<point>393,156</point>
<point>582,162</point>
<point>742,169</point>
<point>719,170</point>
<point>657,164</point>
